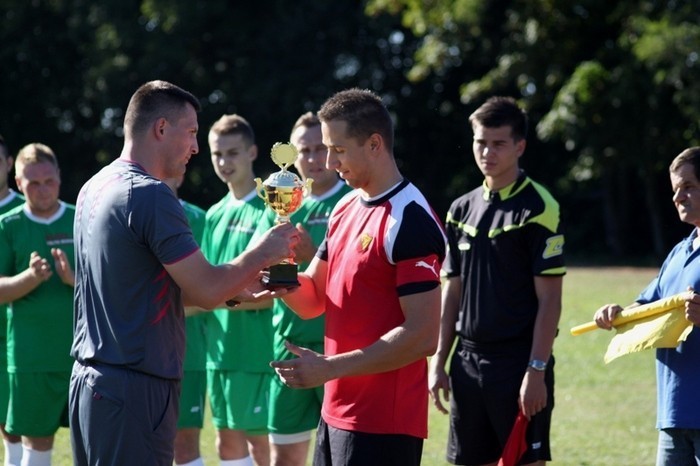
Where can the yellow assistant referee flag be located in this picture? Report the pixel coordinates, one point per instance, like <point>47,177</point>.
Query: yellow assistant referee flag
<point>660,324</point>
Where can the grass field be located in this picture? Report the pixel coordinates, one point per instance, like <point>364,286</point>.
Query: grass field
<point>604,414</point>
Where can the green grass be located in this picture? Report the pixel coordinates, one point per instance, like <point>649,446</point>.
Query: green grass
<point>604,414</point>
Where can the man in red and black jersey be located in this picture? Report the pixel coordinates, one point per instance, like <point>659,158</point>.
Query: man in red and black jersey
<point>377,277</point>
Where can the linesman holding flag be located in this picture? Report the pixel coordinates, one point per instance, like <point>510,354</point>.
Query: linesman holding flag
<point>678,377</point>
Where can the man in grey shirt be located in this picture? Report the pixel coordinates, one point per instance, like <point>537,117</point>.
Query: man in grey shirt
<point>137,265</point>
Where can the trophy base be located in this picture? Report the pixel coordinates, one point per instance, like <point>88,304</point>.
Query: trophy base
<point>280,276</point>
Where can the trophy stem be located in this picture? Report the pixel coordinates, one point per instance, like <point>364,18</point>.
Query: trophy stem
<point>279,219</point>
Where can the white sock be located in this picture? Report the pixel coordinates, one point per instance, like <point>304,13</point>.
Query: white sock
<point>247,461</point>
<point>31,457</point>
<point>13,453</point>
<point>198,462</point>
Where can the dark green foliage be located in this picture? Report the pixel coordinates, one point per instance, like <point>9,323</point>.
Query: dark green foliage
<point>611,88</point>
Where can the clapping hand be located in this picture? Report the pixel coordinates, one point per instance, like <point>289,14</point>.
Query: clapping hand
<point>63,267</point>
<point>39,267</point>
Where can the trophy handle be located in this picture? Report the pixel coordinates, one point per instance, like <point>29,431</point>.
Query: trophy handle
<point>307,187</point>
<point>260,189</point>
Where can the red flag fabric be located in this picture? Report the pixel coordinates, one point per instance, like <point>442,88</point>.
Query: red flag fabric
<point>516,445</point>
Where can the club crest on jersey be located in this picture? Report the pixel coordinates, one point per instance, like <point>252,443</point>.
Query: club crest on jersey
<point>365,241</point>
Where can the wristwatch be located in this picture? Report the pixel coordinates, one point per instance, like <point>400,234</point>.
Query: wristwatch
<point>538,365</point>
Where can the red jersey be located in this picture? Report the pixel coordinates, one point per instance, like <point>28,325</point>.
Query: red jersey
<point>378,250</point>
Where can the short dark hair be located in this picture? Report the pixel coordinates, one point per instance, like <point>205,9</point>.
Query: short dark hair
<point>231,125</point>
<point>363,111</point>
<point>34,153</point>
<point>4,150</point>
<point>500,111</point>
<point>690,156</point>
<point>153,100</point>
<point>307,120</point>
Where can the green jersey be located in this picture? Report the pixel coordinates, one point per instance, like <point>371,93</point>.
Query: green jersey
<point>11,201</point>
<point>195,327</point>
<point>236,340</point>
<point>313,215</point>
<point>40,324</point>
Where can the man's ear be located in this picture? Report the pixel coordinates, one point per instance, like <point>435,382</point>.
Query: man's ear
<point>253,152</point>
<point>159,127</point>
<point>375,142</point>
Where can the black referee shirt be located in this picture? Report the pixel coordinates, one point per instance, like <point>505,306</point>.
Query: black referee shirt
<point>498,242</point>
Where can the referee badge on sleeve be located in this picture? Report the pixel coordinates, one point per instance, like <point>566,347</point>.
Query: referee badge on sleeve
<point>554,247</point>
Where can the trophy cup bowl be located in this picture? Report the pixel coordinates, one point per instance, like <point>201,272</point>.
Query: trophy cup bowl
<point>283,192</point>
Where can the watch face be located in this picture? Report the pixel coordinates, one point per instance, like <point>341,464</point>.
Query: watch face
<point>538,365</point>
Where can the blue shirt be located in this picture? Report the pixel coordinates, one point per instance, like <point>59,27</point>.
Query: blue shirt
<point>677,369</point>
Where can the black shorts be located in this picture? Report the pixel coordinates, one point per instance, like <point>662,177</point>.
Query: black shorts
<point>347,448</point>
<point>484,405</point>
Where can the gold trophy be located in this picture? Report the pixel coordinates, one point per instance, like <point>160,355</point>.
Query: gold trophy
<point>283,192</point>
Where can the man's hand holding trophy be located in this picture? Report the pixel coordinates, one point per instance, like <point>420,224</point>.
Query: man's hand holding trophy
<point>283,192</point>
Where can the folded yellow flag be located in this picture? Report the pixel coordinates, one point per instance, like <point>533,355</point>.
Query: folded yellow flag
<point>665,330</point>
<point>660,324</point>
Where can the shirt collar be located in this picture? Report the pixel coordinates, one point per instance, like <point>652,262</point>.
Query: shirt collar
<point>508,191</point>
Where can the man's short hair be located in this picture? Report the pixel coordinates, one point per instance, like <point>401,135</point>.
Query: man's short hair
<point>690,156</point>
<point>234,124</point>
<point>4,150</point>
<point>34,153</point>
<point>500,111</point>
<point>153,100</point>
<point>307,120</point>
<point>363,111</point>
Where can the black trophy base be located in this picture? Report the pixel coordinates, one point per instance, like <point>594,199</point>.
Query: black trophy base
<point>280,276</point>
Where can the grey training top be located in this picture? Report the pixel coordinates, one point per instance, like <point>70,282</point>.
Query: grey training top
<point>128,310</point>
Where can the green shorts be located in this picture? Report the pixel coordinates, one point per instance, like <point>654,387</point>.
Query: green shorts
<point>38,403</point>
<point>294,410</point>
<point>239,400</point>
<point>193,391</point>
<point>4,393</point>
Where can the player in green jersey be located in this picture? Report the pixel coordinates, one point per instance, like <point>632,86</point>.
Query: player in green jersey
<point>8,200</point>
<point>294,413</point>
<point>239,344</point>
<point>36,278</point>
<point>194,379</point>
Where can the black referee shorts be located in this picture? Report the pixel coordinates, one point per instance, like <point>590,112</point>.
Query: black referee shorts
<point>484,405</point>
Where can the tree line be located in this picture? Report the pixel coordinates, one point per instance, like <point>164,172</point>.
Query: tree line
<point>610,89</point>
